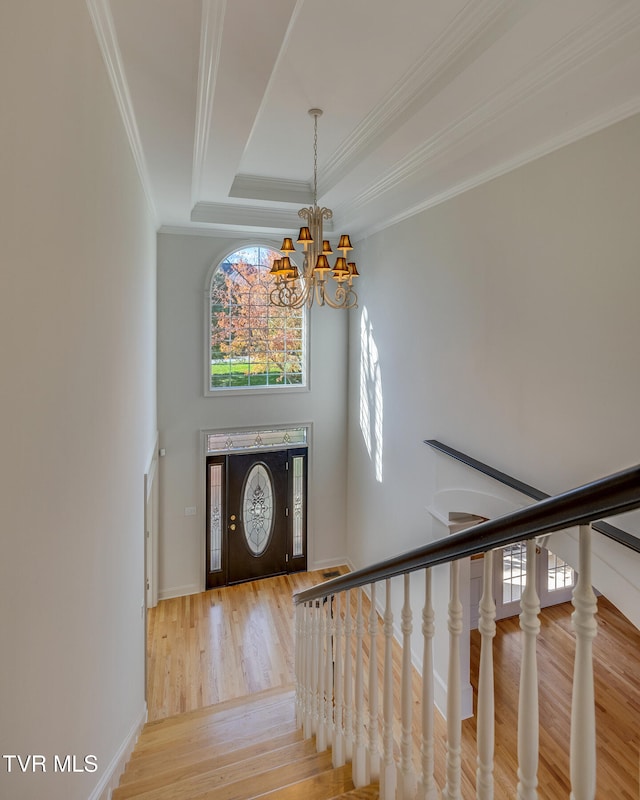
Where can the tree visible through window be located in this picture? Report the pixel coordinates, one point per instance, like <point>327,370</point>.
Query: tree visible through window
<point>253,343</point>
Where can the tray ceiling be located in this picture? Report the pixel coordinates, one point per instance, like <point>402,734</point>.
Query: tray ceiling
<point>422,99</point>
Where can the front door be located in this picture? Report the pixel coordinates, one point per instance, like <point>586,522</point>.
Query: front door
<point>256,515</point>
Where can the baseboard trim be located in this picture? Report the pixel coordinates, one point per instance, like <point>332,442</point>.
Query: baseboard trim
<point>179,591</point>
<point>111,776</point>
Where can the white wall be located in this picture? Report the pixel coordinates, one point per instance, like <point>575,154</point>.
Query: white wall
<point>77,396</point>
<point>184,411</point>
<point>506,324</point>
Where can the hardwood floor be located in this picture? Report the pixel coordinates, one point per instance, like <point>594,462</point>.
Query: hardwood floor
<point>227,643</point>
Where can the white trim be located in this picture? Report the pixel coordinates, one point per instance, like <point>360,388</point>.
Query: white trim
<point>102,19</point>
<point>180,591</point>
<point>257,187</point>
<point>206,318</point>
<point>219,232</point>
<point>581,131</point>
<point>236,215</point>
<point>443,61</point>
<point>111,776</point>
<point>212,26</point>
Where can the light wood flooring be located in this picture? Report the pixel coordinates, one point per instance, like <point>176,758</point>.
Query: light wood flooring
<point>227,643</point>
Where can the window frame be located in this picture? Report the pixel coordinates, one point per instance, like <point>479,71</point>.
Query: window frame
<point>230,391</point>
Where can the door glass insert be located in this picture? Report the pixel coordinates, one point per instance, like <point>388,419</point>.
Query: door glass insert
<point>215,520</point>
<point>257,506</point>
<point>298,505</point>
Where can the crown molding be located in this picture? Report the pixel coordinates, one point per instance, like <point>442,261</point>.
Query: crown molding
<point>211,30</point>
<point>251,217</point>
<point>103,25</point>
<point>567,54</point>
<point>475,28</point>
<point>217,232</point>
<point>257,187</point>
<point>588,128</point>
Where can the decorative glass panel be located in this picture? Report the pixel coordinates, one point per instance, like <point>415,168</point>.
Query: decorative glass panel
<point>514,571</point>
<point>258,509</point>
<point>559,574</point>
<point>256,440</point>
<point>298,505</point>
<point>215,520</point>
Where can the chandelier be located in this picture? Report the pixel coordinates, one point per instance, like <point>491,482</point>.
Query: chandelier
<point>293,290</point>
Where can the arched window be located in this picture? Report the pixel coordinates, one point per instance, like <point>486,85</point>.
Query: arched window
<point>252,342</point>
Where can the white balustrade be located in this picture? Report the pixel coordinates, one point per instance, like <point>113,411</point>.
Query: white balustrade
<point>321,728</point>
<point>407,782</point>
<point>298,663</point>
<point>452,789</point>
<point>359,760</point>
<point>373,752</point>
<point>328,670</point>
<point>486,701</point>
<point>583,723</point>
<point>337,749</point>
<point>427,789</point>
<point>348,681</point>
<point>307,725</point>
<point>388,778</point>
<point>528,735</point>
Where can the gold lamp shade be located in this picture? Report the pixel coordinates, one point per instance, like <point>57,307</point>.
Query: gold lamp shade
<point>275,267</point>
<point>287,245</point>
<point>305,236</point>
<point>353,272</point>
<point>322,264</point>
<point>341,267</point>
<point>285,266</point>
<point>326,248</point>
<point>345,243</point>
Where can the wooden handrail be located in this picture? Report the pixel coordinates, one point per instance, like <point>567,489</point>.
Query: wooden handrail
<point>615,494</point>
<point>610,531</point>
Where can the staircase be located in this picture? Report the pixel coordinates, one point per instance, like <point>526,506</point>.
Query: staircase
<point>245,748</point>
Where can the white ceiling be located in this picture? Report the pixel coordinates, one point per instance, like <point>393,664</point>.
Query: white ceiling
<point>422,99</point>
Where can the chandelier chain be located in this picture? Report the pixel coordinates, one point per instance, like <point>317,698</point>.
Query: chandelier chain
<point>315,159</point>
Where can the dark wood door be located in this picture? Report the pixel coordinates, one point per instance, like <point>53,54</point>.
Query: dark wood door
<point>257,539</point>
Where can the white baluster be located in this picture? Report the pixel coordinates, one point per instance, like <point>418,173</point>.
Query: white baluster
<point>486,701</point>
<point>427,789</point>
<point>388,779</point>
<point>307,725</point>
<point>528,701</point>
<point>454,722</point>
<point>337,751</point>
<point>315,659</point>
<point>407,783</point>
<point>348,681</point>
<point>321,729</point>
<point>328,671</point>
<point>298,664</point>
<point>583,722</point>
<point>373,751</point>
<point>359,766</point>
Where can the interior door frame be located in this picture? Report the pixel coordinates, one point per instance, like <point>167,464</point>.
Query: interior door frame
<point>309,529</point>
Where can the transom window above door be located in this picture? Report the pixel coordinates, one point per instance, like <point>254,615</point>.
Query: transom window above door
<point>253,344</point>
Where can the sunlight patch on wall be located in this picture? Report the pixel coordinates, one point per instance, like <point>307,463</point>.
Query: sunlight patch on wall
<point>371,410</point>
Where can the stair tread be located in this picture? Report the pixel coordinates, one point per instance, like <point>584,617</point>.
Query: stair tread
<point>204,787</point>
<point>331,783</point>
<point>196,757</point>
<point>215,731</point>
<point>212,773</point>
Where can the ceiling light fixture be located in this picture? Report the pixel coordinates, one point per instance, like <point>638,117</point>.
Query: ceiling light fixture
<point>293,290</point>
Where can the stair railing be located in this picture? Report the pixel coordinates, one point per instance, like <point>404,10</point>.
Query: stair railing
<point>332,708</point>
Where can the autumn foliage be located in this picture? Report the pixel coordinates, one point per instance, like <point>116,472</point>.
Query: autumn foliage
<point>252,341</point>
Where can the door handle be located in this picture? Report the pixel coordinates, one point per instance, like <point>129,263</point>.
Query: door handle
<point>232,527</point>
<point>232,518</point>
